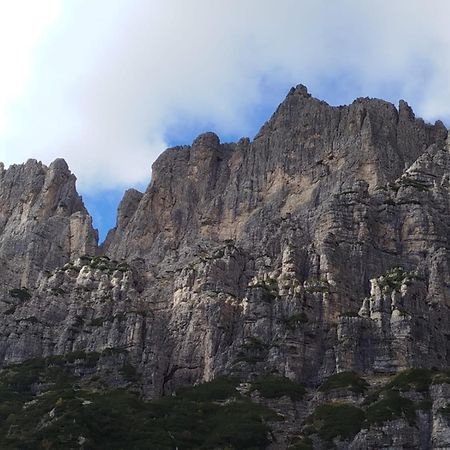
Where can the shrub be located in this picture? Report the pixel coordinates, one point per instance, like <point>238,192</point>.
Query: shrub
<point>274,386</point>
<point>97,322</point>
<point>445,411</point>
<point>301,443</point>
<point>23,294</point>
<point>295,320</point>
<point>345,380</point>
<point>314,286</point>
<point>417,379</point>
<point>332,420</point>
<point>253,343</point>
<point>211,415</point>
<point>129,373</point>
<point>219,389</point>
<point>417,184</point>
<point>395,277</point>
<point>391,406</point>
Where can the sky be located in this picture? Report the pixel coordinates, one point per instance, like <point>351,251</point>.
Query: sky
<point>109,84</point>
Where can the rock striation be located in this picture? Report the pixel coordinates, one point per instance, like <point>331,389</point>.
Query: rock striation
<point>43,222</point>
<point>319,248</point>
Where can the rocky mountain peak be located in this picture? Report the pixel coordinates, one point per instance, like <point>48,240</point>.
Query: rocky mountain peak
<point>305,271</point>
<point>209,140</point>
<point>43,222</point>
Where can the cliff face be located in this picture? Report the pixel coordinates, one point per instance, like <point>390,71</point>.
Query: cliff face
<point>321,246</point>
<point>43,222</point>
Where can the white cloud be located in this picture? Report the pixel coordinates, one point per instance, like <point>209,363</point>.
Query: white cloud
<point>107,79</point>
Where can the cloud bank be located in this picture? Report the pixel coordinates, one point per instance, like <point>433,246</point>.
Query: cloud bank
<point>106,83</point>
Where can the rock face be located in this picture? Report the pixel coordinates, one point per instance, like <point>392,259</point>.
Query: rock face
<point>43,223</point>
<point>319,247</point>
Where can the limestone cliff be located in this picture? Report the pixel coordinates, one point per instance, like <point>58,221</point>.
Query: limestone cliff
<point>320,247</point>
<point>43,223</point>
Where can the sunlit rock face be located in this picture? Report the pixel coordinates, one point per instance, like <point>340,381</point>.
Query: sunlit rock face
<point>320,246</point>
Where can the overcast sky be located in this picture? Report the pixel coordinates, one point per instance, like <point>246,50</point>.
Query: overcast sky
<point>108,84</point>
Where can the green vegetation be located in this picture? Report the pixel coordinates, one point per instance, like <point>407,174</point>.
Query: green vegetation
<point>313,286</point>
<point>391,406</point>
<point>63,414</point>
<point>247,359</point>
<point>220,389</point>
<point>345,380</point>
<point>442,376</point>
<point>395,277</point>
<point>301,443</point>
<point>218,253</point>
<point>417,184</point>
<point>274,386</point>
<point>270,287</point>
<point>103,263</point>
<point>100,262</point>
<point>445,410</point>
<point>44,404</point>
<point>408,181</point>
<point>111,351</point>
<point>253,343</point>
<point>412,379</point>
<point>332,420</point>
<point>30,319</point>
<point>387,403</point>
<point>97,322</point>
<point>129,373</point>
<point>23,294</point>
<point>58,291</point>
<point>424,405</point>
<point>390,202</point>
<point>253,350</point>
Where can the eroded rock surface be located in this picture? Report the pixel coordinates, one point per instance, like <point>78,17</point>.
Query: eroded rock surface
<point>321,246</point>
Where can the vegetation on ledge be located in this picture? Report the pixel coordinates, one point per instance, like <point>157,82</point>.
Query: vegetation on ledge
<point>275,386</point>
<point>345,380</point>
<point>65,415</point>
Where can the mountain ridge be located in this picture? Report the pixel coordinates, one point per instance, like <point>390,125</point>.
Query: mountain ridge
<point>319,248</point>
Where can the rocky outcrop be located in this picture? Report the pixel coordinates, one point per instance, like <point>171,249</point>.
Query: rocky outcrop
<point>43,223</point>
<point>319,247</point>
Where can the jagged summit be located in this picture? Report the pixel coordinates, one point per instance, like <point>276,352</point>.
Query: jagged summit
<point>43,221</point>
<point>316,253</point>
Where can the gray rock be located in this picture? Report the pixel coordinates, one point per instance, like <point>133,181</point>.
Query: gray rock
<point>266,255</point>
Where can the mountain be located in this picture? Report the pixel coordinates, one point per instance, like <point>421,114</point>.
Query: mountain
<point>301,282</point>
